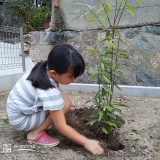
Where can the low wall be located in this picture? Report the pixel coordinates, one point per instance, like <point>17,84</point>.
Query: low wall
<point>142,47</point>
<point>9,77</point>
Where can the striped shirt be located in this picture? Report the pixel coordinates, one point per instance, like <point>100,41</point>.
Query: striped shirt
<point>25,103</point>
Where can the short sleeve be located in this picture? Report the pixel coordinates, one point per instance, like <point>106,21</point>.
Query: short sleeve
<point>51,99</point>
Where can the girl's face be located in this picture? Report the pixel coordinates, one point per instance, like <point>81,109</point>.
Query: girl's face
<point>65,78</point>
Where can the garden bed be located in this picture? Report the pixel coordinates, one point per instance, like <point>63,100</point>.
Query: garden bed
<point>137,138</point>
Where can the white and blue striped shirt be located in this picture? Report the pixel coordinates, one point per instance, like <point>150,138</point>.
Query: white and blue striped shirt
<point>24,101</point>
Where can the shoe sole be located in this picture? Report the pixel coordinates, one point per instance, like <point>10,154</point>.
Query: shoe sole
<point>45,145</point>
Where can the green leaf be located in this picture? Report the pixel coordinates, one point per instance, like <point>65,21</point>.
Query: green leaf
<point>116,122</point>
<point>91,16</point>
<point>93,112</point>
<point>123,56</point>
<point>94,115</point>
<point>100,115</point>
<point>103,92</point>
<point>92,51</point>
<point>110,114</point>
<point>5,120</point>
<point>111,42</point>
<point>107,58</point>
<point>90,20</point>
<point>119,39</point>
<point>85,15</point>
<point>118,87</point>
<point>99,10</point>
<point>98,98</point>
<point>140,3</point>
<point>107,89</point>
<point>106,79</point>
<point>110,123</point>
<point>117,73</point>
<point>79,10</point>
<point>122,105</point>
<point>108,33</point>
<point>103,13</point>
<point>102,66</point>
<point>92,122</point>
<point>107,7</point>
<point>88,101</point>
<point>108,107</point>
<point>86,64</point>
<point>130,9</point>
<point>104,130</point>
<point>103,27</point>
<point>92,72</point>
<point>105,39</point>
<point>117,110</point>
<point>123,3</point>
<point>80,4</point>
<point>103,18</point>
<point>89,7</point>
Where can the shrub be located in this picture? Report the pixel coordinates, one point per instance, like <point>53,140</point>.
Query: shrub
<point>110,56</point>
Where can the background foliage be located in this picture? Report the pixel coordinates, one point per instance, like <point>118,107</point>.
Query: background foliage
<point>20,13</point>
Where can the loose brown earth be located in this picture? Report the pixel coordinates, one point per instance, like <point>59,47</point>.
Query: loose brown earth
<point>137,139</point>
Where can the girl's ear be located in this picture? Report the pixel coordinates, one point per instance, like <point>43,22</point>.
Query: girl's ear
<point>53,73</point>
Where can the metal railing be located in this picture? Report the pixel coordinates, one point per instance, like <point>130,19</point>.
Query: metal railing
<point>11,48</point>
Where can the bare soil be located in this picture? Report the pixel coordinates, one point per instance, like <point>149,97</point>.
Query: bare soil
<point>138,138</point>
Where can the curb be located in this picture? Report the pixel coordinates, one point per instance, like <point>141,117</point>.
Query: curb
<point>136,91</point>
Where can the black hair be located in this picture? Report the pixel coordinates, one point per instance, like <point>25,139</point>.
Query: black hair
<point>63,58</point>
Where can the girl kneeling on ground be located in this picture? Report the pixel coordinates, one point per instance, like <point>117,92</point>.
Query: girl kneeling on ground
<point>35,102</point>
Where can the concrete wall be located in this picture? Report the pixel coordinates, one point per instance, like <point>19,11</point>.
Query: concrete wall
<point>64,16</point>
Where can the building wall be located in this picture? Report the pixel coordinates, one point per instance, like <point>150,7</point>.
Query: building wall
<point>65,17</point>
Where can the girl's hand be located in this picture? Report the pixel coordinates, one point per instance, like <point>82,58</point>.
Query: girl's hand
<point>93,146</point>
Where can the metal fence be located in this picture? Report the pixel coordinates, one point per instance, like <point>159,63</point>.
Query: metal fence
<point>11,48</point>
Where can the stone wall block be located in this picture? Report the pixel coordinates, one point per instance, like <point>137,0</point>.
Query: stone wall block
<point>51,37</point>
<point>155,61</point>
<point>145,78</point>
<point>70,35</point>
<point>78,45</point>
<point>132,33</point>
<point>153,30</point>
<point>40,52</point>
<point>147,44</point>
<point>136,58</point>
<point>84,78</point>
<point>35,38</point>
<point>90,38</point>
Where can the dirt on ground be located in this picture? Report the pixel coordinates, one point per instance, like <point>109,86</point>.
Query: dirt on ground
<point>138,138</point>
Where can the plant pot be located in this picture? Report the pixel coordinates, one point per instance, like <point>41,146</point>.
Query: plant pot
<point>45,23</point>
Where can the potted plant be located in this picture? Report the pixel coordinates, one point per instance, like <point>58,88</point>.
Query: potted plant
<point>46,16</point>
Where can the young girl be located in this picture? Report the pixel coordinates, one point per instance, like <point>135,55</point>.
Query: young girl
<point>35,102</point>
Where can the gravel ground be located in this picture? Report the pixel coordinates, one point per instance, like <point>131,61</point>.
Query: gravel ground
<point>140,134</point>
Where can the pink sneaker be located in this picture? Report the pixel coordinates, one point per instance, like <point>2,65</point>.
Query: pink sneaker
<point>44,139</point>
